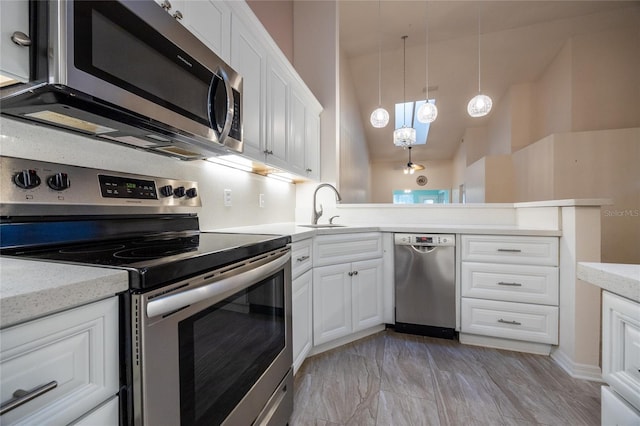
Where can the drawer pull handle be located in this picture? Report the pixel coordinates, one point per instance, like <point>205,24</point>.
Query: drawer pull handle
<point>510,284</point>
<point>22,396</point>
<point>302,259</point>
<point>509,322</point>
<point>510,250</point>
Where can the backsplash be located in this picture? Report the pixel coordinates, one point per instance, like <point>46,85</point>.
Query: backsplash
<point>43,143</point>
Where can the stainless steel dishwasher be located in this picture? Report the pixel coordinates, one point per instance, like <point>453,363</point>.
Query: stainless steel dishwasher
<point>425,284</point>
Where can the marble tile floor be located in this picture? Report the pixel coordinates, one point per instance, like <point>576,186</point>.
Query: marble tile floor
<point>399,379</point>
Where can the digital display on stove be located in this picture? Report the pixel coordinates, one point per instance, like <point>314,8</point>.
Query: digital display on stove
<point>119,187</point>
<point>428,240</point>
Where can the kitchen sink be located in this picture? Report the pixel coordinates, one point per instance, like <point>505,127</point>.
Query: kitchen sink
<point>323,225</point>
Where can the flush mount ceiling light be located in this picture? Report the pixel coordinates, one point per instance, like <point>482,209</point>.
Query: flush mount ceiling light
<point>404,136</point>
<point>379,117</point>
<point>480,105</point>
<point>428,112</point>
<point>411,166</point>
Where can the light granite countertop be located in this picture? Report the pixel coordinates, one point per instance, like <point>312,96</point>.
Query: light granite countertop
<point>300,232</point>
<point>621,279</point>
<point>30,289</point>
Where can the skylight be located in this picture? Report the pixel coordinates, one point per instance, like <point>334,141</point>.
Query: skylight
<point>406,116</point>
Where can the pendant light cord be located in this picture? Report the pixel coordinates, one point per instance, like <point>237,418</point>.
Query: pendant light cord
<point>426,32</point>
<point>379,56</point>
<point>479,63</point>
<point>404,78</point>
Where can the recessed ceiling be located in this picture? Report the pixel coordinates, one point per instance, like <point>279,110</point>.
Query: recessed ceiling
<point>519,40</point>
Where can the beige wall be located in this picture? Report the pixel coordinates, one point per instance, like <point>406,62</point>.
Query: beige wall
<point>277,18</point>
<point>476,143</point>
<point>316,58</point>
<point>388,176</point>
<point>355,171</point>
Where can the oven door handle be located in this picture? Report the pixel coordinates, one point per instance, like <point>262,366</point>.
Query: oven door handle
<point>225,287</point>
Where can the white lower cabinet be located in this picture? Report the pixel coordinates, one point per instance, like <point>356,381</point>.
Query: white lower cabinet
<point>301,300</point>
<point>346,298</point>
<point>509,289</point>
<point>620,360</point>
<point>73,353</point>
<point>616,411</point>
<point>302,318</point>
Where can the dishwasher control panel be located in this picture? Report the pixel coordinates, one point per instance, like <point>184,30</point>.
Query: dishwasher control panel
<point>424,239</point>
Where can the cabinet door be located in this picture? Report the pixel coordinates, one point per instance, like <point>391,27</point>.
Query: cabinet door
<point>366,285</point>
<point>297,141</point>
<point>14,60</point>
<point>277,114</point>
<point>302,319</point>
<point>210,21</point>
<point>76,351</point>
<point>249,58</point>
<point>312,144</point>
<point>331,303</point>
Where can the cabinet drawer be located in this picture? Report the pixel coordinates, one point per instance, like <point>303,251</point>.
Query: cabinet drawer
<point>510,249</point>
<point>617,411</point>
<point>77,349</point>
<point>343,248</point>
<point>621,346</point>
<point>301,257</point>
<point>518,321</point>
<point>510,283</point>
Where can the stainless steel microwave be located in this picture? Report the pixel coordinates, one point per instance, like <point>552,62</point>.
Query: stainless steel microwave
<point>127,72</point>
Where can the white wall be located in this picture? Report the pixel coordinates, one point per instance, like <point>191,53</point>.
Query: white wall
<point>47,144</point>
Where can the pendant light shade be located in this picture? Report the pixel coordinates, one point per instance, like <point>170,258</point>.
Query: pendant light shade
<point>379,117</point>
<point>404,136</point>
<point>480,105</point>
<point>428,112</point>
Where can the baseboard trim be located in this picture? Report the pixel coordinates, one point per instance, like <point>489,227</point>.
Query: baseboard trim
<point>575,370</point>
<point>507,344</point>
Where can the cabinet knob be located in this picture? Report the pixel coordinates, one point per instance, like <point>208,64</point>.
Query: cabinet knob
<point>309,170</point>
<point>21,39</point>
<point>178,15</point>
<point>166,5</point>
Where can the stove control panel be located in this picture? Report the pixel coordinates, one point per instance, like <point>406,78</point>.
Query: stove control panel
<point>30,187</point>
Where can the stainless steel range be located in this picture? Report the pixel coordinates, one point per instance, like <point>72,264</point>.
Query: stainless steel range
<point>206,323</point>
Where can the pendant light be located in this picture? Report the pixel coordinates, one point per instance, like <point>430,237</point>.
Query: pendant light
<point>480,105</point>
<point>379,117</point>
<point>404,136</point>
<point>428,112</point>
<point>411,166</point>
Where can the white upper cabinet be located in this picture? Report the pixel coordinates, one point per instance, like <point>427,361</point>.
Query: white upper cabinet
<point>277,114</point>
<point>298,133</point>
<point>14,58</point>
<point>208,20</point>
<point>249,59</point>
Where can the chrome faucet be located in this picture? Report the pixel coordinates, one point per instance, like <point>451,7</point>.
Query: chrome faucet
<point>316,213</point>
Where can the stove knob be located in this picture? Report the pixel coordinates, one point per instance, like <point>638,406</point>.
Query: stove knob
<point>26,179</point>
<point>59,181</point>
<point>166,190</point>
<point>179,192</point>
<point>192,193</point>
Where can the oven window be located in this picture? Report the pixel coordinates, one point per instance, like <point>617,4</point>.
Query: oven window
<point>225,349</point>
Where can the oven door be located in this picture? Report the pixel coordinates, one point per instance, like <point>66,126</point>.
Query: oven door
<point>215,349</point>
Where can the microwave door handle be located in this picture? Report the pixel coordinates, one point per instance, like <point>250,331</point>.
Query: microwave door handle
<point>230,105</point>
<point>225,288</point>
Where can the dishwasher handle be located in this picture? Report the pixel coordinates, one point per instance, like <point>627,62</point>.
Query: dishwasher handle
<point>424,249</point>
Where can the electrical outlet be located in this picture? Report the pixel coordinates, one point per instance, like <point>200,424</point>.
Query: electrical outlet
<point>227,198</point>
<point>261,200</point>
